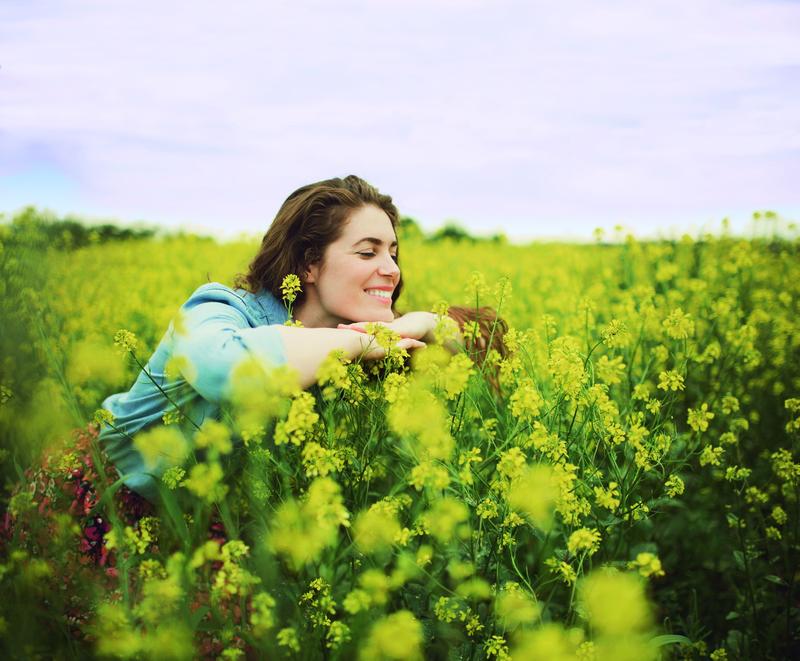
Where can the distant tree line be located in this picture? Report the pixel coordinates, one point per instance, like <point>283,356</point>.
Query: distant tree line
<point>451,231</point>
<point>42,229</point>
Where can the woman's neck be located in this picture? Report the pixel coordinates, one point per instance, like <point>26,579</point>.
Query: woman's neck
<point>312,315</point>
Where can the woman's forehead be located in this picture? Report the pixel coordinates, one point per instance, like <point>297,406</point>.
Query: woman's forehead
<point>369,222</point>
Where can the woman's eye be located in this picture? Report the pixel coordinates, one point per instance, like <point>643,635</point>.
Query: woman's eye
<point>369,253</point>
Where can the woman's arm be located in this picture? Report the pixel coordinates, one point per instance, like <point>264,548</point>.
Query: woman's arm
<point>212,338</point>
<point>306,348</point>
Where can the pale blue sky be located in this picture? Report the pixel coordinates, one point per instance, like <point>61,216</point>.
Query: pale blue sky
<point>536,118</point>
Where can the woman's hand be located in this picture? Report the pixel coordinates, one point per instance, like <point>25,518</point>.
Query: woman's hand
<point>306,348</point>
<point>414,325</point>
<point>371,350</point>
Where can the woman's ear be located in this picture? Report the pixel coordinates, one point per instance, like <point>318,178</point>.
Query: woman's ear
<point>311,274</point>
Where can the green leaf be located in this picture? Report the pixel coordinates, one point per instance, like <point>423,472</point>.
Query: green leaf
<point>777,580</point>
<point>198,615</point>
<point>670,639</point>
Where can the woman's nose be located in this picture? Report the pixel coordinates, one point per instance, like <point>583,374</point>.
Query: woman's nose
<point>389,267</point>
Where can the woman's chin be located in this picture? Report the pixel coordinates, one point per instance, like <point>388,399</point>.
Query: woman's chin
<point>387,316</point>
<point>376,315</point>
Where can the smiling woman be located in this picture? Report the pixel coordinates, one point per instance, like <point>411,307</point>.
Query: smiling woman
<point>338,238</point>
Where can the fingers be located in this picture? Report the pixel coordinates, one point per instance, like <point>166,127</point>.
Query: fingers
<point>360,326</point>
<point>353,327</point>
<point>410,343</point>
<point>375,352</point>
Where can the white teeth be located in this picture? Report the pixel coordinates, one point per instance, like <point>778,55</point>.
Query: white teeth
<point>379,292</point>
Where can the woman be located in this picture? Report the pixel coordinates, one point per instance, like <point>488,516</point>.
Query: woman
<point>338,236</point>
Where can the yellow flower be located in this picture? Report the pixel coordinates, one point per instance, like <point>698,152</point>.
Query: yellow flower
<point>678,325</point>
<point>670,380</point>
<point>215,436</point>
<point>779,515</point>
<point>393,385</point>
<point>429,474</point>
<point>711,456</point>
<point>260,394</point>
<point>614,602</point>
<point>608,498</point>
<point>375,530</point>
<point>446,609</point>
<point>232,580</point>
<point>647,565</point>
<point>103,417</point>
<point>338,634</point>
<point>674,486</point>
<point>300,531</point>
<point>332,374</point>
<point>456,375</point>
<point>610,371</point>
<point>320,461</point>
<point>615,334</point>
<point>356,601</point>
<point>512,463</point>
<point>549,641</point>
<point>497,647</point>
<point>299,425</point>
<point>526,402</point>
<point>288,638</point>
<point>535,494</point>
<point>290,287</point>
<point>208,552</point>
<point>442,519</point>
<point>172,477</point>
<point>420,417</point>
<point>564,569</point>
<point>126,341</point>
<point>698,419</point>
<point>515,606</point>
<point>584,539</point>
<point>396,636</point>
<point>161,446</point>
<point>474,588</point>
<point>729,404</point>
<point>486,509</point>
<point>566,365</point>
<point>205,482</point>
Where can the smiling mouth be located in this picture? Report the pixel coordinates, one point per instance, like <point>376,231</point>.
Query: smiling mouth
<point>384,297</point>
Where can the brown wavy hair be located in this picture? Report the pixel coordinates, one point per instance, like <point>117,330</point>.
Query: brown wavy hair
<point>313,217</point>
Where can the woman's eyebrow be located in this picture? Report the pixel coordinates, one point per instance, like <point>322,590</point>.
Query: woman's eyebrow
<point>374,241</point>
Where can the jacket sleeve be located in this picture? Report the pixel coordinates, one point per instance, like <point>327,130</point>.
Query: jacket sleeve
<point>213,337</point>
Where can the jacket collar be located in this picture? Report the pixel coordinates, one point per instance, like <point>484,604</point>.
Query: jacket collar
<point>269,308</point>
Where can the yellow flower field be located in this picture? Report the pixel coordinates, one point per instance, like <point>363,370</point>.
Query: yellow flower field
<point>627,490</point>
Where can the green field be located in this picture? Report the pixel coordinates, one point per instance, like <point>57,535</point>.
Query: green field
<point>627,490</point>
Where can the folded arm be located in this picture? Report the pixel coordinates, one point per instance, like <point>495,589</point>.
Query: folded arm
<point>212,338</point>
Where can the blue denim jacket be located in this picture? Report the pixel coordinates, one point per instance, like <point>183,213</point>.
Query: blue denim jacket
<point>219,328</point>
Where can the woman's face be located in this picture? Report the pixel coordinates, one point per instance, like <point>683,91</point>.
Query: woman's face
<point>357,274</point>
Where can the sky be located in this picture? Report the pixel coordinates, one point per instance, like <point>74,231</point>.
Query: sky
<point>537,119</point>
